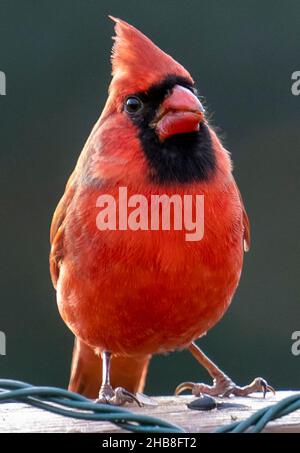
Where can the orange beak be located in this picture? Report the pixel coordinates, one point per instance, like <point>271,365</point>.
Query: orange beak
<point>180,113</point>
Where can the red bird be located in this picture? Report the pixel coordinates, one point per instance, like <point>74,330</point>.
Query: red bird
<point>127,294</point>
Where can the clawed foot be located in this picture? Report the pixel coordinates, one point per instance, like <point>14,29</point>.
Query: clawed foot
<point>224,386</point>
<point>116,397</point>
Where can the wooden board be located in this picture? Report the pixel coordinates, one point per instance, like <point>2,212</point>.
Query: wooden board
<point>17,417</point>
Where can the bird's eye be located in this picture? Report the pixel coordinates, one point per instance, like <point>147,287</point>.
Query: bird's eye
<point>133,105</point>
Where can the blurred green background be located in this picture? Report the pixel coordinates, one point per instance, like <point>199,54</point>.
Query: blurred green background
<point>56,58</point>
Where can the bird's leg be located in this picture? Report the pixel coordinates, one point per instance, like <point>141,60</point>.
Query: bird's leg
<point>222,384</point>
<point>108,395</point>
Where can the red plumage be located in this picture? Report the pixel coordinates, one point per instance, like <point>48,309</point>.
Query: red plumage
<point>136,293</point>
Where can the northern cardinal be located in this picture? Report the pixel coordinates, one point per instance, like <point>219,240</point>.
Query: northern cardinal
<point>128,294</point>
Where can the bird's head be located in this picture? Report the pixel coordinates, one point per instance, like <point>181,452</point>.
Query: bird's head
<point>150,87</point>
<point>153,105</point>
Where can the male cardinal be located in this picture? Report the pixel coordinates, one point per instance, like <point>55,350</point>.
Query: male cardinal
<point>128,294</point>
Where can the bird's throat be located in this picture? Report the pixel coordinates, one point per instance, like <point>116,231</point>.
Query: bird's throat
<point>181,158</point>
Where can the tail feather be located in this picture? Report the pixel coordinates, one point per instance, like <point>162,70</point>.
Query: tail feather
<point>86,371</point>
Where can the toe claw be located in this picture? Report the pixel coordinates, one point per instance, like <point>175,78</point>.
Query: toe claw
<point>184,386</point>
<point>266,387</point>
<point>271,389</point>
<point>130,397</point>
<point>122,396</point>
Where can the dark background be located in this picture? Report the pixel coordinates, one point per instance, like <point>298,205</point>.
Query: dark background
<point>56,58</point>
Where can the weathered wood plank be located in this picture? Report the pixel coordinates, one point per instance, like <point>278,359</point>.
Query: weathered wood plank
<point>17,417</point>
